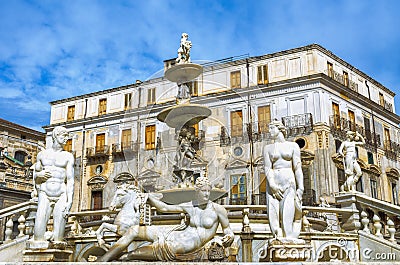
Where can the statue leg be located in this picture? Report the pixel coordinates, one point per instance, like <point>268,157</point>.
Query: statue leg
<point>42,217</point>
<point>59,219</point>
<point>288,208</point>
<point>273,215</point>
<point>144,253</point>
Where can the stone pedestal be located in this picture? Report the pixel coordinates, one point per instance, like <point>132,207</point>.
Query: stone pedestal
<point>44,251</point>
<point>286,250</point>
<point>247,251</point>
<point>351,219</point>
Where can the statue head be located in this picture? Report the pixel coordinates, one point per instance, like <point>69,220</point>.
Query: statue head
<point>278,124</point>
<point>203,188</point>
<point>201,182</point>
<point>60,135</point>
<point>185,35</point>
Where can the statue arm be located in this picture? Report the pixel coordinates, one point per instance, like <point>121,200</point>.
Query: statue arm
<point>269,173</point>
<point>340,150</point>
<point>163,207</point>
<point>362,140</point>
<point>298,172</point>
<point>69,171</point>
<point>224,221</point>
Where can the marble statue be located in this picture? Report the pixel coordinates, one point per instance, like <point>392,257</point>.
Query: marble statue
<point>185,153</point>
<point>348,151</point>
<point>127,198</point>
<point>54,181</point>
<point>284,184</point>
<point>184,49</point>
<point>168,244</point>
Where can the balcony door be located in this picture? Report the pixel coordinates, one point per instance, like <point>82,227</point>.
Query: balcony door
<point>100,142</point>
<point>236,123</point>
<point>126,138</point>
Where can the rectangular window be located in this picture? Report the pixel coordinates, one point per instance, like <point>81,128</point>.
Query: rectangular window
<point>336,114</point>
<point>374,189</point>
<point>126,138</point>
<point>387,138</point>
<point>151,96</point>
<point>395,194</point>
<point>262,75</point>
<point>128,101</point>
<point>193,88</point>
<point>97,200</point>
<point>330,69</point>
<point>381,100</point>
<point>235,79</point>
<point>238,189</point>
<point>100,142</point>
<point>352,120</point>
<point>367,126</point>
<point>370,158</point>
<point>236,123</point>
<point>150,137</point>
<point>345,79</point>
<point>102,106</point>
<point>71,113</point>
<point>68,145</point>
<point>264,118</point>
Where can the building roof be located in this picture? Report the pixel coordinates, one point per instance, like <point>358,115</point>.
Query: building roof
<point>7,125</point>
<point>240,59</point>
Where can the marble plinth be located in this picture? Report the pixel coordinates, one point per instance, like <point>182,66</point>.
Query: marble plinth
<point>47,255</point>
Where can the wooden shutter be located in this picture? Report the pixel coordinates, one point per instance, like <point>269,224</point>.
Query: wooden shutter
<point>236,123</point>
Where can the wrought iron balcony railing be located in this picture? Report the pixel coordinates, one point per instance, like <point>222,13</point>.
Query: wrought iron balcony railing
<point>340,126</point>
<point>340,79</point>
<point>101,150</point>
<point>125,147</point>
<point>301,124</point>
<point>238,201</point>
<point>392,149</point>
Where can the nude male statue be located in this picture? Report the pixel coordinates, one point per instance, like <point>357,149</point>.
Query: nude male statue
<point>348,151</point>
<point>53,167</point>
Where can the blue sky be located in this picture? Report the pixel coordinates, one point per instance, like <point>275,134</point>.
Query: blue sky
<point>57,49</point>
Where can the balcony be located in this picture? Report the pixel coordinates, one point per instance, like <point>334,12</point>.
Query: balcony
<point>129,147</point>
<point>340,126</point>
<point>259,199</point>
<point>339,78</point>
<point>238,201</point>
<point>386,105</point>
<point>392,150</point>
<point>224,138</point>
<point>98,151</point>
<point>301,124</point>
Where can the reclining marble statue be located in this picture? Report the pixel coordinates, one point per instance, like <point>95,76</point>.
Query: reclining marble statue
<point>54,184</point>
<point>348,151</point>
<point>169,244</point>
<point>285,187</point>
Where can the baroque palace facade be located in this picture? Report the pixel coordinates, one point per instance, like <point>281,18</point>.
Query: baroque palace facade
<point>19,147</point>
<point>116,137</point>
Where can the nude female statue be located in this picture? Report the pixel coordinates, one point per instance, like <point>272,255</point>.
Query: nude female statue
<point>284,183</point>
<point>205,217</point>
<point>54,181</point>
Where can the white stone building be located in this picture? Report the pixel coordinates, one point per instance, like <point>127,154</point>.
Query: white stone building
<point>115,135</point>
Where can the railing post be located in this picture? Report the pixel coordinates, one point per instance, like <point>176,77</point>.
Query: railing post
<point>377,225</point>
<point>365,222</point>
<point>9,227</point>
<point>21,225</point>
<point>246,237</point>
<point>391,230</point>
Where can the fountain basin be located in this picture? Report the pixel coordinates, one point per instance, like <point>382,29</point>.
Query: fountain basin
<point>180,195</point>
<point>183,114</point>
<point>183,73</point>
